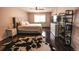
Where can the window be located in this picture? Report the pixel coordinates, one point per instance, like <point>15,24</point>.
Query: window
<point>55,18</point>
<point>39,18</point>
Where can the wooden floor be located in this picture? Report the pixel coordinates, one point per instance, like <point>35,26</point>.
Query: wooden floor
<point>58,43</point>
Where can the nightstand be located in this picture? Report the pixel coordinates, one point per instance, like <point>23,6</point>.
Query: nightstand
<point>11,32</point>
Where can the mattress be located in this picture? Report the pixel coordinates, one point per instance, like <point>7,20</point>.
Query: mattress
<point>31,28</point>
<point>34,25</point>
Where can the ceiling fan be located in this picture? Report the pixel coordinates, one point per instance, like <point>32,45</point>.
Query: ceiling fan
<point>39,8</point>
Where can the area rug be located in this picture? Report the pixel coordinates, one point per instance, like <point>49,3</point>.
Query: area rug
<point>27,44</point>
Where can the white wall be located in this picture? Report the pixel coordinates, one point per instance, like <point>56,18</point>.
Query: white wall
<point>6,14</point>
<point>75,34</point>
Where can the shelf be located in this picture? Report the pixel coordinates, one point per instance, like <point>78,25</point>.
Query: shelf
<point>65,26</point>
<point>69,12</point>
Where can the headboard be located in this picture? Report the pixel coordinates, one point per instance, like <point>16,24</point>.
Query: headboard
<point>19,21</point>
<point>14,22</point>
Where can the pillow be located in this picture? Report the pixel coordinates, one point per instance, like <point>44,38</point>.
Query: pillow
<point>26,22</point>
<point>23,23</point>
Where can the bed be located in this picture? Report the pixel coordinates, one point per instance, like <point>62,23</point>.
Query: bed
<point>26,27</point>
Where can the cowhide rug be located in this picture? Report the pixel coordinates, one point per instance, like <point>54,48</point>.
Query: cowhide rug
<point>26,44</point>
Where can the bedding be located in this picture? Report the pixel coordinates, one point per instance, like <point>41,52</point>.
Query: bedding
<point>27,27</point>
<point>30,28</point>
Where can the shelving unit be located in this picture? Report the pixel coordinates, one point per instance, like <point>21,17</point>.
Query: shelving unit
<point>68,20</point>
<point>64,27</point>
<point>60,27</point>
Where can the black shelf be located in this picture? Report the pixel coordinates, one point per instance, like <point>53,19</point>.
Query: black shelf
<point>64,26</point>
<point>68,26</point>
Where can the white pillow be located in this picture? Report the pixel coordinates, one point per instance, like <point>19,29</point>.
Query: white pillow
<point>23,23</point>
<point>26,22</point>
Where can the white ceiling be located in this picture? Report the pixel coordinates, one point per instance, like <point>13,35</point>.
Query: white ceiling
<point>54,10</point>
<point>33,9</point>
